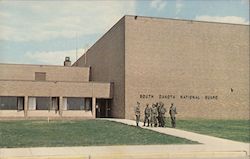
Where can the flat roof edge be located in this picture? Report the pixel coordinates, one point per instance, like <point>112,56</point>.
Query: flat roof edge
<point>99,39</point>
<point>199,21</point>
<point>40,65</point>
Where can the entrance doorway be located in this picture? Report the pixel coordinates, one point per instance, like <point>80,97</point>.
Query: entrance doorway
<point>103,108</point>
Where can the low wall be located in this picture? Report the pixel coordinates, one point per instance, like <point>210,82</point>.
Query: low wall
<point>11,113</point>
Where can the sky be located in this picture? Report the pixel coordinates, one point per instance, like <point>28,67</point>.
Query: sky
<point>45,32</point>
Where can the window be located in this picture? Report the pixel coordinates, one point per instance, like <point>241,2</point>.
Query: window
<point>54,103</point>
<point>88,103</point>
<point>78,103</point>
<point>11,103</point>
<point>32,103</point>
<point>42,103</point>
<point>20,103</point>
<point>40,76</point>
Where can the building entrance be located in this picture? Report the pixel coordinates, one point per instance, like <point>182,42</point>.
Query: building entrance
<point>103,108</point>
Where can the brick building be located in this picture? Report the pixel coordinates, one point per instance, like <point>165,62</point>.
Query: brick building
<point>201,67</point>
<point>50,91</point>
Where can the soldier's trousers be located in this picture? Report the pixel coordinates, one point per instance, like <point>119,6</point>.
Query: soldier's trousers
<point>137,120</point>
<point>173,121</point>
<point>146,119</point>
<point>159,120</point>
<point>154,121</point>
<point>162,120</point>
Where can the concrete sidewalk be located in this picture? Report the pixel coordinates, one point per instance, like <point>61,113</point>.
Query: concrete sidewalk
<point>210,147</point>
<point>117,152</point>
<point>209,143</point>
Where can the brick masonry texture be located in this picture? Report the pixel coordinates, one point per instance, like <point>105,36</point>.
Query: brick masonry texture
<point>175,57</point>
<point>53,73</point>
<point>106,59</point>
<point>19,80</point>
<point>201,67</point>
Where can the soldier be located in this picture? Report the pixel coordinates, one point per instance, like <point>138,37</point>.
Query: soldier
<point>162,114</point>
<point>147,112</point>
<point>154,115</point>
<point>137,113</point>
<point>173,112</point>
<point>151,115</point>
<point>158,106</point>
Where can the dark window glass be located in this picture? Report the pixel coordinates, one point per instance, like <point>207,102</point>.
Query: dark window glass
<point>42,103</point>
<point>74,103</point>
<point>10,103</point>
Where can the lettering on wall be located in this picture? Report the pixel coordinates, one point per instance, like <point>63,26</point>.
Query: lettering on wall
<point>181,97</point>
<point>190,97</point>
<point>146,96</point>
<point>211,97</point>
<point>166,96</point>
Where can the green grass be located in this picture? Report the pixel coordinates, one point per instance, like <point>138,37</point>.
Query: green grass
<point>78,133</point>
<point>238,130</point>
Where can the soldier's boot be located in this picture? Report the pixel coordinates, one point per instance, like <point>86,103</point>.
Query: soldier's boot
<point>173,124</point>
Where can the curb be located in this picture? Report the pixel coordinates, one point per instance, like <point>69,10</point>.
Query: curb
<point>141,156</point>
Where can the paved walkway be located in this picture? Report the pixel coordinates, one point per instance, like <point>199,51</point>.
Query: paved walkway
<point>209,143</point>
<point>210,147</point>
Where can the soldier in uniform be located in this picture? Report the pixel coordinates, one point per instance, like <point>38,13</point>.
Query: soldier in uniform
<point>158,105</point>
<point>154,115</point>
<point>151,115</point>
<point>137,113</point>
<point>162,116</point>
<point>147,112</point>
<point>173,112</point>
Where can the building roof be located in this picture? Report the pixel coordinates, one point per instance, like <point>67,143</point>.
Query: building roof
<point>163,18</point>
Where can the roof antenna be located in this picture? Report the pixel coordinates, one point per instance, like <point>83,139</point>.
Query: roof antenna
<point>76,46</point>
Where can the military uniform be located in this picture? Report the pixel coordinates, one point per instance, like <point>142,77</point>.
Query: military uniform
<point>137,113</point>
<point>158,105</point>
<point>154,115</point>
<point>173,112</point>
<point>147,113</point>
<point>162,115</point>
<point>151,115</point>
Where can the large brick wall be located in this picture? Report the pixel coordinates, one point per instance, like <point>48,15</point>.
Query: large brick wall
<point>201,67</point>
<point>178,58</point>
<point>106,59</point>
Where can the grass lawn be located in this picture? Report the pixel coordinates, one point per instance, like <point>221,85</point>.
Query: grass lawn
<point>78,133</point>
<point>238,130</point>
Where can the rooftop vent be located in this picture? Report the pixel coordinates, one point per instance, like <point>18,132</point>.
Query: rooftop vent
<point>67,61</point>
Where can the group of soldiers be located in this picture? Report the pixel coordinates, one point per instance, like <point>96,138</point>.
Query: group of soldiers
<point>155,115</point>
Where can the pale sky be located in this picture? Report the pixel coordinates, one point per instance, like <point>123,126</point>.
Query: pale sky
<point>44,32</point>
